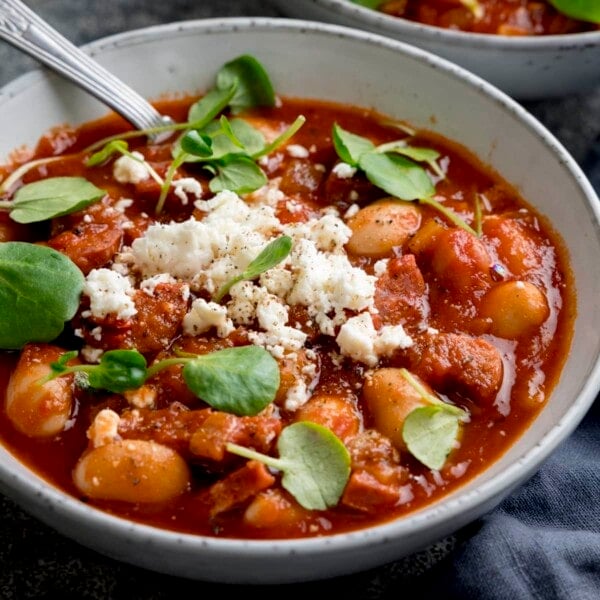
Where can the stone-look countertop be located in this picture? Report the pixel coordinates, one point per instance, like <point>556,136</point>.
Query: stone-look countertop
<point>35,561</point>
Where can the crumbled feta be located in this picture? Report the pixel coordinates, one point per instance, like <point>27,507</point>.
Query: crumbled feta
<point>109,293</point>
<point>343,170</point>
<point>209,252</point>
<point>328,284</point>
<point>352,211</point>
<point>297,151</point>
<point>91,355</point>
<point>131,170</point>
<point>187,185</point>
<point>203,315</point>
<point>380,267</point>
<point>104,428</point>
<point>143,397</point>
<point>148,286</point>
<point>122,204</point>
<point>359,339</point>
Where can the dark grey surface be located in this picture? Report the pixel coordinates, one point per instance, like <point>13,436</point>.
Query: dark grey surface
<point>36,562</point>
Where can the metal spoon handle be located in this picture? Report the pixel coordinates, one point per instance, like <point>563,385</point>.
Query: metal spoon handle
<point>22,28</point>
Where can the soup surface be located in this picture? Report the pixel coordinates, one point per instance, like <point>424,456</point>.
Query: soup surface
<point>391,349</point>
<point>501,17</point>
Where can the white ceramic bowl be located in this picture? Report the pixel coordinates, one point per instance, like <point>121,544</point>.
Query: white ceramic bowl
<point>527,68</point>
<point>329,62</point>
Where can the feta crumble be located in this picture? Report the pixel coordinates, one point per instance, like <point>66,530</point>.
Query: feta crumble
<point>129,170</point>
<point>109,293</point>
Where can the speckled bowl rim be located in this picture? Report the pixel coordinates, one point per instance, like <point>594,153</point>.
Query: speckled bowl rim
<point>33,487</point>
<point>397,26</point>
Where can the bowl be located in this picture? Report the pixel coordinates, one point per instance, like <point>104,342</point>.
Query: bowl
<point>527,68</point>
<point>308,59</point>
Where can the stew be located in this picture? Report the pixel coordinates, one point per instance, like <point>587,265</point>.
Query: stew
<point>499,17</point>
<point>292,318</point>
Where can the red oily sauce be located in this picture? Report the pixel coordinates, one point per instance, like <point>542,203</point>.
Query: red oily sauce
<point>467,340</point>
<point>500,17</point>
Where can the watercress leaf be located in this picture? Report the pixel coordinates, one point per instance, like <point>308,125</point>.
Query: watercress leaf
<point>239,174</point>
<point>242,380</point>
<point>253,85</point>
<point>52,197</point>
<point>60,365</point>
<point>39,291</point>
<point>349,146</point>
<point>210,106</point>
<point>272,254</point>
<point>429,433</point>
<point>197,144</point>
<point>113,147</point>
<point>368,3</point>
<point>416,153</point>
<point>250,139</point>
<point>118,371</point>
<point>398,176</point>
<point>585,10</point>
<point>228,131</point>
<point>316,464</point>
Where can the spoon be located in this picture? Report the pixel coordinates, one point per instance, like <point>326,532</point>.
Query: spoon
<point>25,30</point>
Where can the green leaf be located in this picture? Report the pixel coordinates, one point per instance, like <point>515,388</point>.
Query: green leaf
<point>228,131</point>
<point>52,197</point>
<point>249,139</point>
<point>239,174</point>
<point>118,371</point>
<point>113,147</point>
<point>349,146</point>
<point>195,143</point>
<point>272,254</point>
<point>585,10</point>
<point>368,3</point>
<point>210,106</point>
<point>60,366</point>
<point>314,462</point>
<point>416,153</point>
<point>241,380</point>
<point>252,83</point>
<point>398,176</point>
<point>429,433</point>
<point>39,291</point>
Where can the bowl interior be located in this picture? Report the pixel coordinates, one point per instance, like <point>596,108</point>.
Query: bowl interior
<point>328,62</point>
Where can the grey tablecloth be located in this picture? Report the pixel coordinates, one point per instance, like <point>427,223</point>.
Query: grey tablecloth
<point>543,542</point>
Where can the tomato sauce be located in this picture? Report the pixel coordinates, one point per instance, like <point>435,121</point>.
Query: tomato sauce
<point>499,17</point>
<point>433,284</point>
